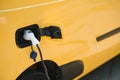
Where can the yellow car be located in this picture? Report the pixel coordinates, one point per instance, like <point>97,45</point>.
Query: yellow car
<point>76,37</point>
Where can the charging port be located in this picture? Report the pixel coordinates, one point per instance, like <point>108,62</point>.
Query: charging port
<point>20,41</point>
<point>51,31</point>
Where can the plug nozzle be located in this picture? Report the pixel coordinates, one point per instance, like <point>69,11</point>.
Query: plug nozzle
<point>29,36</point>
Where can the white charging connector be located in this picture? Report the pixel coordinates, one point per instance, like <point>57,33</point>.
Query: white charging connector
<point>29,36</point>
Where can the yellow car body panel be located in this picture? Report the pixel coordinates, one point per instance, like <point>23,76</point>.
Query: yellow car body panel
<point>81,22</point>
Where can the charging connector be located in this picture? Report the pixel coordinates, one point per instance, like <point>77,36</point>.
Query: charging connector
<point>29,36</point>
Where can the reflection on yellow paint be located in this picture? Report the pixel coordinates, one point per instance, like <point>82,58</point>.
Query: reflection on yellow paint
<point>3,20</point>
<point>13,3</point>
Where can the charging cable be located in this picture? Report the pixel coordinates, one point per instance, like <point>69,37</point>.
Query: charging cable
<point>45,68</point>
<point>29,36</point>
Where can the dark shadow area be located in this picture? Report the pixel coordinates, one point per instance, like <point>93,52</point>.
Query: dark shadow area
<point>37,72</point>
<point>108,71</point>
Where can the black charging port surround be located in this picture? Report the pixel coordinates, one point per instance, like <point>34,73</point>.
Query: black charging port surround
<point>19,35</point>
<point>51,31</point>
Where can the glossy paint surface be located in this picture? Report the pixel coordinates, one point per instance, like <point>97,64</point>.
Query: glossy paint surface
<point>81,21</point>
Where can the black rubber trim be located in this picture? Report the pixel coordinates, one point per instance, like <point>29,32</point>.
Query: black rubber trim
<point>106,35</point>
<point>72,70</point>
<point>52,31</point>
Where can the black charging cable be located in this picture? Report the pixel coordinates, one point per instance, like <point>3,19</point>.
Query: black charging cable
<point>45,68</point>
